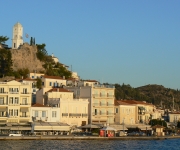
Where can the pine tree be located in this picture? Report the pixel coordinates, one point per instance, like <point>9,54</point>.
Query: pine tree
<point>31,41</point>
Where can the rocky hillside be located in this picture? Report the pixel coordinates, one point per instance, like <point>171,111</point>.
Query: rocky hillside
<point>25,57</point>
<point>161,96</point>
<point>155,94</point>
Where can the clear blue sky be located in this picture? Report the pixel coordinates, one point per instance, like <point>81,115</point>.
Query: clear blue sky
<point>135,42</point>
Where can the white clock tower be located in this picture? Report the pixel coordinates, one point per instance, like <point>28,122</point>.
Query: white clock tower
<point>17,39</point>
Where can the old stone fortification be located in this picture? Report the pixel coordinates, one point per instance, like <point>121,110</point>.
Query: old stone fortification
<point>25,57</point>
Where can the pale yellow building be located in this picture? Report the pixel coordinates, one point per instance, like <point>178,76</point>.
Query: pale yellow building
<point>124,113</point>
<point>143,111</point>
<point>52,81</point>
<point>15,102</point>
<point>101,100</point>
<point>72,111</point>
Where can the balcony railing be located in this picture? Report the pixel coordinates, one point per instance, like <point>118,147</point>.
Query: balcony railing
<point>3,103</point>
<point>141,113</point>
<point>24,104</point>
<point>13,104</point>
<point>13,92</point>
<point>24,116</point>
<point>74,115</point>
<point>104,113</point>
<point>102,104</point>
<point>3,92</point>
<point>25,93</point>
<point>65,114</point>
<point>84,115</point>
<point>3,116</point>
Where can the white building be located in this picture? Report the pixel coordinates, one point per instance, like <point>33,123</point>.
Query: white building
<point>40,112</point>
<point>17,38</point>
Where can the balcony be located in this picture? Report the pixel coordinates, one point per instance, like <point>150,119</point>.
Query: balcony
<point>74,115</point>
<point>25,93</point>
<point>13,92</point>
<point>24,116</point>
<point>84,115</point>
<point>24,103</point>
<point>3,116</point>
<point>141,113</point>
<point>2,92</point>
<point>103,105</point>
<point>3,104</point>
<point>13,104</point>
<point>64,114</point>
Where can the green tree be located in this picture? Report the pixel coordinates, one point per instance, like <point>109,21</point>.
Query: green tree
<point>39,83</point>
<point>154,122</point>
<point>31,41</point>
<point>41,53</point>
<point>3,39</point>
<point>5,63</point>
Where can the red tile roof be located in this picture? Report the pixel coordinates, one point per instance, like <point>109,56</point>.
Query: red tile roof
<point>53,77</point>
<point>135,102</point>
<point>29,79</point>
<point>120,102</point>
<point>58,90</point>
<point>90,80</point>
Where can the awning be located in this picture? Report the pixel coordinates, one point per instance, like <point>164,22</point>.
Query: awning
<point>89,126</point>
<point>119,127</point>
<point>24,109</point>
<point>108,129</point>
<point>21,128</point>
<point>55,126</point>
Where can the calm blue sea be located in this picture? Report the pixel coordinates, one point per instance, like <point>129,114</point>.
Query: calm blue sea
<point>169,144</point>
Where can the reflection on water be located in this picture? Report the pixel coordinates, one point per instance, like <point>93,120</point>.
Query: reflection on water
<point>171,144</point>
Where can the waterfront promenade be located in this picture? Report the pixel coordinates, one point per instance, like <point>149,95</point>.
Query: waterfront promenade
<point>88,138</point>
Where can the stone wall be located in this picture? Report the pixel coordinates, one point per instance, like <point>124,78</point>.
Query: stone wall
<point>25,57</point>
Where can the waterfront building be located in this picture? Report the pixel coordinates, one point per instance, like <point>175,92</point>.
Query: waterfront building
<point>15,103</point>
<point>125,113</point>
<point>44,113</point>
<point>72,111</point>
<point>101,100</point>
<point>143,110</point>
<point>17,38</point>
<point>49,82</point>
<point>174,117</point>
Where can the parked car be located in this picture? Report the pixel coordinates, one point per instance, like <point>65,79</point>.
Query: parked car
<point>15,134</point>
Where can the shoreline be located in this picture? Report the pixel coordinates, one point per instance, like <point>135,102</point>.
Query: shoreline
<point>87,138</point>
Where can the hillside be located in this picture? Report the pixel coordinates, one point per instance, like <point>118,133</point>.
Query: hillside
<point>155,94</point>
<point>25,57</point>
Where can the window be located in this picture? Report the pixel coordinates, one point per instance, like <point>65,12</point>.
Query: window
<point>10,100</point>
<point>24,90</point>
<point>36,113</point>
<point>50,83</point>
<point>1,100</point>
<point>16,100</point>
<point>15,44</point>
<point>24,101</point>
<point>43,113</point>
<point>11,112</point>
<point>43,83</point>
<point>54,114</point>
<point>32,77</point>
<point>95,111</point>
<point>1,90</point>
<point>116,110</point>
<point>15,112</point>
